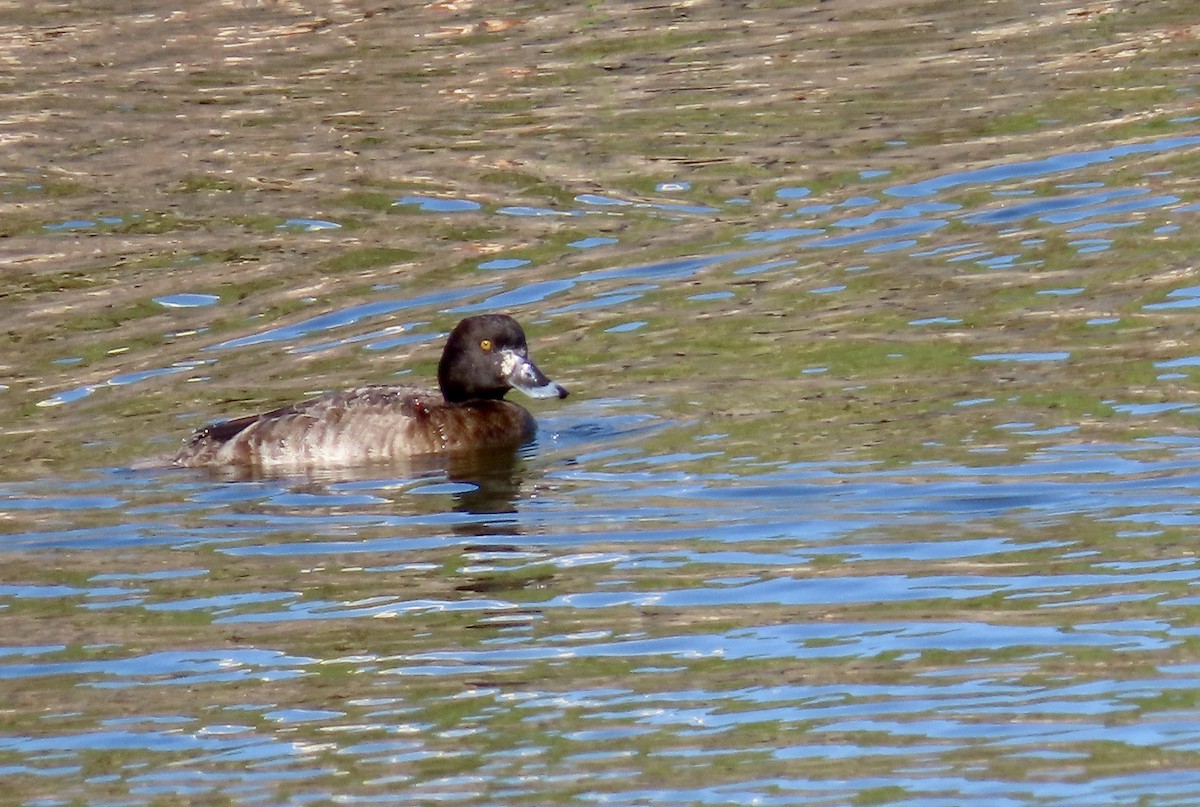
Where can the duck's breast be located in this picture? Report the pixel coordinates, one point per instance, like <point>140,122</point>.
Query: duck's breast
<point>475,426</point>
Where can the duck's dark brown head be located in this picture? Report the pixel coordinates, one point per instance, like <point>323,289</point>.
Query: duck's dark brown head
<point>485,357</point>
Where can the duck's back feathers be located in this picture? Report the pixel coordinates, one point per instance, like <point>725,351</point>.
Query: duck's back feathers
<point>374,423</point>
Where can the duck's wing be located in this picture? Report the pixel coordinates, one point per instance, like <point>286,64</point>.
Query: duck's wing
<point>322,430</point>
<point>226,430</point>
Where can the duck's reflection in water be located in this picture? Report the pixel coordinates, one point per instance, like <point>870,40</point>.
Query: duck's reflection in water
<point>478,483</point>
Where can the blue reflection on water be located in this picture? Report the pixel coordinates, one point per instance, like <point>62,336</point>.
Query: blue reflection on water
<point>187,300</point>
<point>1050,204</point>
<point>1032,356</point>
<point>1070,161</point>
<point>504,263</point>
<point>350,315</point>
<point>436,204</point>
<point>172,668</point>
<point>309,225</point>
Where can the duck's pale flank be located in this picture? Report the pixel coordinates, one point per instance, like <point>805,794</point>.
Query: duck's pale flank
<point>484,357</point>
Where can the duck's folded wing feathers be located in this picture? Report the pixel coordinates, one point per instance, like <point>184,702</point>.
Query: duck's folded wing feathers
<point>298,430</point>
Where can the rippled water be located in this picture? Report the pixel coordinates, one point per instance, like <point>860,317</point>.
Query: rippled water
<point>876,486</point>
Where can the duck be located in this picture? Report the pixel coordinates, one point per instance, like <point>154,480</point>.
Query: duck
<point>484,357</point>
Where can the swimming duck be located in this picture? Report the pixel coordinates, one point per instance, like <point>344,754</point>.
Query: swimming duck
<point>485,356</point>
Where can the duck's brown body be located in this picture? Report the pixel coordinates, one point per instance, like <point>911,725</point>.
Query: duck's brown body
<point>359,426</point>
<point>484,358</point>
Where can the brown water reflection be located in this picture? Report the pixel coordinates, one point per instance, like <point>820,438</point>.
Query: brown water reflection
<point>877,479</point>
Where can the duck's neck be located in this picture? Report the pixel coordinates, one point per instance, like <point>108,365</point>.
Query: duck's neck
<point>454,395</point>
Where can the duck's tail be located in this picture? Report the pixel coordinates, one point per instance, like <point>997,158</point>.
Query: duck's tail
<point>156,462</point>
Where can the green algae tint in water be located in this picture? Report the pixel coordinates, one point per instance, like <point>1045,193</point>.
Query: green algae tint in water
<point>876,484</point>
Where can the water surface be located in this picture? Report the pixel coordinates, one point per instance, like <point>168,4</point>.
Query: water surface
<point>877,480</point>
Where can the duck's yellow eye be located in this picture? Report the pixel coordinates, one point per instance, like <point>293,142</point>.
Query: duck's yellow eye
<point>486,344</point>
